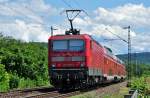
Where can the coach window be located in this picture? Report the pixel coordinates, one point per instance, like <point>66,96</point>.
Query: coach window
<point>107,61</point>
<point>90,44</point>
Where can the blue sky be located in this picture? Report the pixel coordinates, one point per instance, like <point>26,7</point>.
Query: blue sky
<point>30,20</point>
<point>91,5</point>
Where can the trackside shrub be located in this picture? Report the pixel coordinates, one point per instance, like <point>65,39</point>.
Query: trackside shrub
<point>14,81</point>
<point>141,85</point>
<point>4,79</point>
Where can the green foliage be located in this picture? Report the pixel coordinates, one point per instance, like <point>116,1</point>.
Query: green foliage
<point>14,81</point>
<point>22,62</point>
<point>142,58</point>
<point>4,79</point>
<point>138,70</point>
<point>26,83</point>
<point>141,84</point>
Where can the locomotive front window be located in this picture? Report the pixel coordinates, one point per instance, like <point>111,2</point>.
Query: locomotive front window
<point>69,45</point>
<point>76,45</point>
<point>60,45</point>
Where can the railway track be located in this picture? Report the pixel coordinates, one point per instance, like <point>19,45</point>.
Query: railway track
<point>38,93</point>
<point>53,93</point>
<point>25,92</point>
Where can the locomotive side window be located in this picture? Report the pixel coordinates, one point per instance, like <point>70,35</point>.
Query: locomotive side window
<point>60,45</point>
<point>76,45</point>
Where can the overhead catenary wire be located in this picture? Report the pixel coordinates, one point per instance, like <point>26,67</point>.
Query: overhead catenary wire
<point>66,3</point>
<point>80,7</point>
<point>116,35</point>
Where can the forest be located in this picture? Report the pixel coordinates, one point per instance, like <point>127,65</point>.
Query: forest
<point>22,64</point>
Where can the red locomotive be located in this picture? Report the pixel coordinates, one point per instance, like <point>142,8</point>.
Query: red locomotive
<point>76,60</point>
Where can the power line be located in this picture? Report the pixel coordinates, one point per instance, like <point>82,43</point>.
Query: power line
<point>83,8</point>
<point>67,4</point>
<point>116,35</point>
<point>80,15</point>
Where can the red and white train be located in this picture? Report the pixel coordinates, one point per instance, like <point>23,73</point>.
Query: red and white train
<point>78,60</point>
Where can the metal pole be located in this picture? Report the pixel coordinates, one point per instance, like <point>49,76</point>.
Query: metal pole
<point>71,24</point>
<point>129,49</point>
<point>136,66</point>
<point>129,54</point>
<point>51,31</point>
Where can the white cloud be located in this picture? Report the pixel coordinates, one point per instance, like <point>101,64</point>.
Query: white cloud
<point>19,10</point>
<point>40,6</point>
<point>27,32</point>
<point>28,10</point>
<point>135,15</point>
<point>129,14</point>
<point>84,21</point>
<point>23,19</point>
<point>141,42</point>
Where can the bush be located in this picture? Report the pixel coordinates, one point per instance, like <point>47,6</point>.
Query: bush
<point>41,82</point>
<point>4,79</point>
<point>26,83</point>
<point>140,84</point>
<point>14,82</point>
<point>22,64</point>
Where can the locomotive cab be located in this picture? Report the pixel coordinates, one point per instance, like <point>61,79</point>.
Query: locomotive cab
<point>67,60</point>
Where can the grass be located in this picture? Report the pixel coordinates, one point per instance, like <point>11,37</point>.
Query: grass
<point>4,87</point>
<point>119,94</point>
<point>148,82</point>
<point>92,94</point>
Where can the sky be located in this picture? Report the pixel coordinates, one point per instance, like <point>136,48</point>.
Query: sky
<point>30,20</point>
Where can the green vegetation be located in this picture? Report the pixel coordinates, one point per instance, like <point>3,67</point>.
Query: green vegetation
<point>142,84</point>
<point>142,58</point>
<point>140,78</point>
<point>22,64</point>
<point>140,72</point>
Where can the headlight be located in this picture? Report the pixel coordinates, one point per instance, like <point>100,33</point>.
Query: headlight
<point>82,65</point>
<point>53,65</point>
